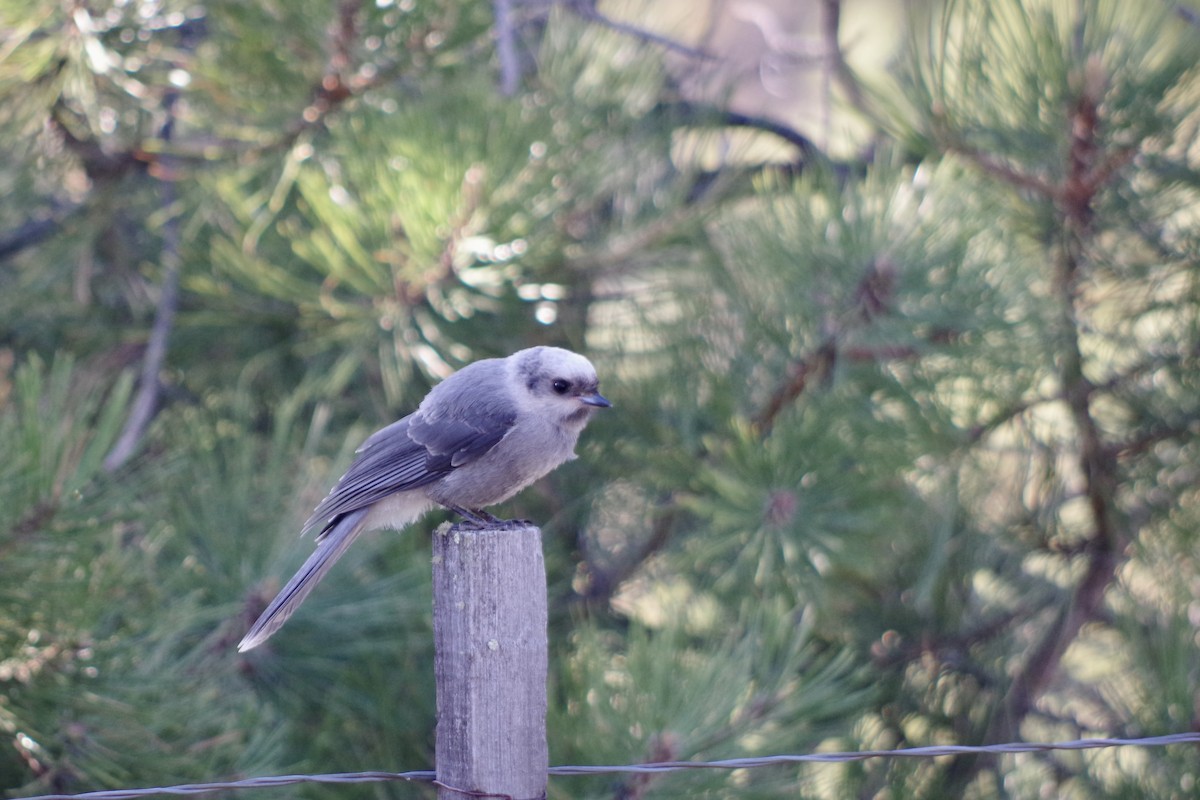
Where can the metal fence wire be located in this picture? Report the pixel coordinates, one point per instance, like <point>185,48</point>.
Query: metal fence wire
<point>428,776</point>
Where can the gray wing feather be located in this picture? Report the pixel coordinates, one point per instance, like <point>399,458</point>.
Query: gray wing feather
<point>333,545</point>
<point>464,417</point>
<point>388,462</point>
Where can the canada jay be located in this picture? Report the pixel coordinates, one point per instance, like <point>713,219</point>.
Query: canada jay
<point>479,437</point>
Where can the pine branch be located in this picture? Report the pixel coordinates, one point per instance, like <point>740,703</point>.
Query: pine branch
<point>343,34</point>
<point>1148,438</point>
<point>1097,462</point>
<point>99,163</point>
<point>814,366</point>
<point>1088,168</point>
<point>28,526</point>
<point>873,297</point>
<point>661,747</point>
<point>998,168</point>
<point>981,431</point>
<point>146,402</point>
<point>37,230</point>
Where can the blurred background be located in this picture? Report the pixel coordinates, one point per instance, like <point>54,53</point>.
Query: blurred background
<point>898,305</point>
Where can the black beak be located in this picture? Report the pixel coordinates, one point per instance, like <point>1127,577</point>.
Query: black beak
<point>595,399</point>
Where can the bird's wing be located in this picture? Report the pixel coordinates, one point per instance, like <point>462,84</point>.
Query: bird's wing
<point>460,436</point>
<point>414,452</point>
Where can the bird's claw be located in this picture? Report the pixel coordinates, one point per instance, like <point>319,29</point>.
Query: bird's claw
<point>474,517</point>
<point>477,518</point>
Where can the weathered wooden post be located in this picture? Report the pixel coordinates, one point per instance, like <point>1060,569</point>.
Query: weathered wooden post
<point>490,662</point>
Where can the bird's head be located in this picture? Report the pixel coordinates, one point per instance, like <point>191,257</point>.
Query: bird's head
<point>559,384</point>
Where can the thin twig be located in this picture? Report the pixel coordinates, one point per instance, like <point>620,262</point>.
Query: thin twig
<point>802,143</point>
<point>506,48</point>
<point>800,374</point>
<point>145,403</point>
<point>873,297</point>
<point>37,230</point>
<point>1005,172</point>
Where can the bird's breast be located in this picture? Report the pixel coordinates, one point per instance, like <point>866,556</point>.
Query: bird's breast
<point>532,449</point>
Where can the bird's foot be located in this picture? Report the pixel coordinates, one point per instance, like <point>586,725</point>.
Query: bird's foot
<point>475,517</point>
<point>478,518</point>
<point>512,524</point>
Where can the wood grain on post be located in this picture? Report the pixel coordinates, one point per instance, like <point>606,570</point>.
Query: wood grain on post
<point>489,619</point>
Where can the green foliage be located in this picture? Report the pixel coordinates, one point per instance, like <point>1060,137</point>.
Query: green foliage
<point>97,686</point>
<point>903,449</point>
<point>674,694</point>
<point>58,430</point>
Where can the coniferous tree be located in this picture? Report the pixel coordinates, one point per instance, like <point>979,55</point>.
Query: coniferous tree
<point>905,443</point>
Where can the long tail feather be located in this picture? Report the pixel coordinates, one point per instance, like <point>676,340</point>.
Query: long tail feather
<point>332,544</point>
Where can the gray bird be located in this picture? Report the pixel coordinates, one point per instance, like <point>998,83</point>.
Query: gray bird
<point>479,437</point>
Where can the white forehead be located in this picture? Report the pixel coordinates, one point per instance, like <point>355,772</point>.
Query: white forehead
<point>555,359</point>
<point>544,361</point>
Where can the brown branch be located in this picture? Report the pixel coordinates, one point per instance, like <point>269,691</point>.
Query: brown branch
<point>343,34</point>
<point>337,84</point>
<point>1147,439</point>
<point>1100,174</point>
<point>100,164</point>
<point>33,522</point>
<point>1043,661</point>
<point>1002,170</point>
<point>335,89</point>
<point>662,746</point>
<point>1089,168</point>
<point>1097,462</point>
<point>146,401</point>
<point>816,365</point>
<point>41,227</point>
<point>872,298</point>
<point>981,431</point>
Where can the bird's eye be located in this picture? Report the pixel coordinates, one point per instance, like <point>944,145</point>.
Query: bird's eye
<point>560,386</point>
